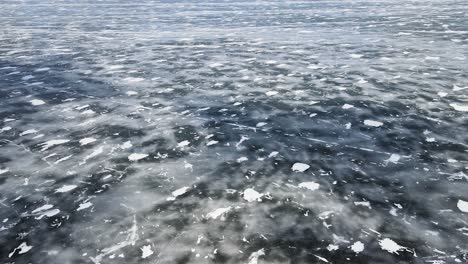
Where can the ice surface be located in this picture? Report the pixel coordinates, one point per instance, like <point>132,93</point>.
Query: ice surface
<point>233,131</point>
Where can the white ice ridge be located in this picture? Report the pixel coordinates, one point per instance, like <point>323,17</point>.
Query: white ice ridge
<point>131,238</point>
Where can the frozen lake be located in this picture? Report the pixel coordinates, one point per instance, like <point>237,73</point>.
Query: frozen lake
<point>233,131</point>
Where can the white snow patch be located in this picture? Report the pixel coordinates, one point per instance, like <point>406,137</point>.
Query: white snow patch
<point>390,246</point>
<point>43,208</point>
<point>260,124</point>
<point>461,108</point>
<point>65,188</point>
<point>42,69</point>
<point>347,106</point>
<point>212,142</point>
<point>273,154</point>
<point>178,192</point>
<point>300,167</point>
<point>309,185</point>
<point>126,145</point>
<point>463,206</point>
<point>457,88</point>
<point>242,159</point>
<point>133,79</point>
<point>218,212</point>
<point>183,144</point>
<point>146,251</point>
<point>365,204</point>
<point>49,213</point>
<point>54,142</point>
<point>27,132</point>
<point>250,195</point>
<point>332,247</point>
<point>356,56</point>
<point>27,77</point>
<point>37,102</point>
<point>137,156</point>
<point>86,141</point>
<point>253,259</point>
<point>271,93</point>
<point>357,247</point>
<point>372,123</point>
<point>21,249</point>
<point>88,112</point>
<point>84,206</point>
<point>394,158</point>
